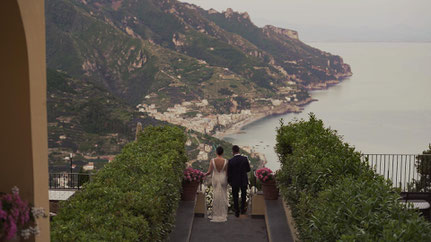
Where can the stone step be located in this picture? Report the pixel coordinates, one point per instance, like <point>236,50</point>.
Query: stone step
<point>242,229</point>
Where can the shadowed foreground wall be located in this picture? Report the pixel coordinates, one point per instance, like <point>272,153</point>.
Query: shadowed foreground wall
<point>23,126</point>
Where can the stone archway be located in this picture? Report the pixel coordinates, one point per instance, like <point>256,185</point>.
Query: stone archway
<point>23,125</point>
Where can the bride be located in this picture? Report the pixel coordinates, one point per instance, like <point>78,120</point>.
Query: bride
<point>218,169</point>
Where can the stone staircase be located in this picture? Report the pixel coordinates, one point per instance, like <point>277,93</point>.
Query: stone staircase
<point>266,220</point>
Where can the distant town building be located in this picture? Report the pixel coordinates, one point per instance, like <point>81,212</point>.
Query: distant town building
<point>89,166</point>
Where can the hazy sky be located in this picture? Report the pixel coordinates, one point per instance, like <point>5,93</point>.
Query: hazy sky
<point>338,20</point>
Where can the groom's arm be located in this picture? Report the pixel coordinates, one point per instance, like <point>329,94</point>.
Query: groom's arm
<point>247,167</point>
<point>229,172</point>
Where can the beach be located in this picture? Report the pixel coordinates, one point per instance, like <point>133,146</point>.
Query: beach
<point>259,114</point>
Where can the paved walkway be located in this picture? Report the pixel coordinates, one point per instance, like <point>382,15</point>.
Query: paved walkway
<point>240,229</point>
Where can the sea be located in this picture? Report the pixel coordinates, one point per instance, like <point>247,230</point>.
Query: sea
<point>385,107</point>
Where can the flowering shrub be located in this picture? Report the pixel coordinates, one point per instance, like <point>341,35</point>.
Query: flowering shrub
<point>17,217</point>
<point>265,174</point>
<point>191,175</point>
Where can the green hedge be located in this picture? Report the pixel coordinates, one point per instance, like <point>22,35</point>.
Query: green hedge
<point>134,198</point>
<point>336,197</point>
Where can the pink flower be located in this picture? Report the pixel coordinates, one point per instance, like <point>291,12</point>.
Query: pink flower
<point>191,174</point>
<point>3,214</point>
<point>10,228</point>
<point>17,214</point>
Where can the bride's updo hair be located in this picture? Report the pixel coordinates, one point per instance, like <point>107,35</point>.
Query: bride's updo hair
<point>219,150</point>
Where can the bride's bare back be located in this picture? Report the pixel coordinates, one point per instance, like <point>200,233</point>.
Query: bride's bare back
<point>219,164</point>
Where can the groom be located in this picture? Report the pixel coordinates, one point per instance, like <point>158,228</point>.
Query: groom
<point>237,178</point>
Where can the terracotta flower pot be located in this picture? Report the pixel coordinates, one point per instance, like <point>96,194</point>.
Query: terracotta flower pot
<point>189,191</point>
<point>270,190</point>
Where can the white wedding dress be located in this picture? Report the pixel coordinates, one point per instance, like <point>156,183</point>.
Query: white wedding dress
<point>220,198</point>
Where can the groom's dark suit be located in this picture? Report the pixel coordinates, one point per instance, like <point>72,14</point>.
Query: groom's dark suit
<point>237,177</point>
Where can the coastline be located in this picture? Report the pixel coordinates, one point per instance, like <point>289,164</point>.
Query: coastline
<point>257,115</point>
<point>297,107</point>
<point>261,114</point>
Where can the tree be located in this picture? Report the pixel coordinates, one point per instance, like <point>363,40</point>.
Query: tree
<point>423,167</point>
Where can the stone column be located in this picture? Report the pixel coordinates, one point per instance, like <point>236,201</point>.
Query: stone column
<point>23,123</point>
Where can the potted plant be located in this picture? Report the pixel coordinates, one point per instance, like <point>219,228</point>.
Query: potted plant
<point>17,217</point>
<point>267,178</point>
<point>191,180</point>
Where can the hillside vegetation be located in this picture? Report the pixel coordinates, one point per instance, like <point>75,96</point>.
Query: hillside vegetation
<point>105,57</point>
<point>178,51</point>
<point>87,120</point>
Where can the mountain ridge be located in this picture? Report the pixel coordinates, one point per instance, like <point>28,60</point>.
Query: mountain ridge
<point>178,63</point>
<point>238,54</point>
